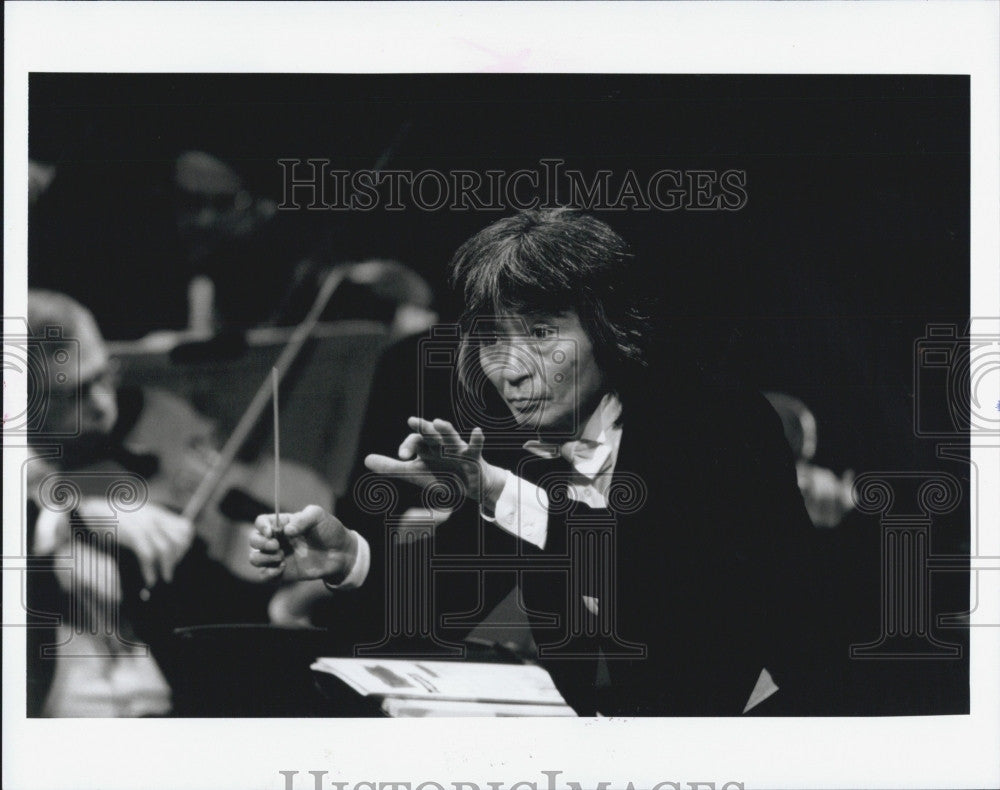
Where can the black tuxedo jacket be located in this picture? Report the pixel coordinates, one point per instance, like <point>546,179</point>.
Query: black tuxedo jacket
<point>700,562</point>
<point>702,580</point>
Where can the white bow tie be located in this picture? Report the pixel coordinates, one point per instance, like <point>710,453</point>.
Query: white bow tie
<point>587,457</point>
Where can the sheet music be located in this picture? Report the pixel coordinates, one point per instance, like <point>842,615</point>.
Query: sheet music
<point>397,708</point>
<point>444,680</point>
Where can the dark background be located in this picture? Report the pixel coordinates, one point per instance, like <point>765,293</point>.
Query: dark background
<point>855,235</point>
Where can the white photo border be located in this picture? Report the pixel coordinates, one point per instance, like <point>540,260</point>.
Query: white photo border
<point>707,38</point>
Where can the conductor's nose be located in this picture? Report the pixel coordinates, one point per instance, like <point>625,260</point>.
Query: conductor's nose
<point>516,376</point>
<point>509,363</point>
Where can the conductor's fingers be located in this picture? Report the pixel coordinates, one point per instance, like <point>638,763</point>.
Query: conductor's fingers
<point>426,428</point>
<point>414,472</point>
<point>262,543</point>
<point>476,441</point>
<point>384,465</point>
<point>303,521</point>
<point>411,446</point>
<point>272,573</point>
<point>264,524</point>
<point>449,436</point>
<point>264,559</point>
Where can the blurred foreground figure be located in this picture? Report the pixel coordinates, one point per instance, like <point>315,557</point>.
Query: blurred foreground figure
<point>107,554</point>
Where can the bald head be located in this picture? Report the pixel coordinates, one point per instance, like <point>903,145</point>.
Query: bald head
<point>73,361</point>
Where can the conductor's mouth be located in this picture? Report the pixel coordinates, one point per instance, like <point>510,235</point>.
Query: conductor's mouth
<point>526,406</point>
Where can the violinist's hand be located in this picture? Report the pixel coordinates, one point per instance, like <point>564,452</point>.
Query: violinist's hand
<point>434,452</point>
<point>158,537</point>
<point>310,544</point>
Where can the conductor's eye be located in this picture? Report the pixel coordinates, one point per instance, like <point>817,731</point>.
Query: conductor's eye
<point>486,341</point>
<point>544,332</point>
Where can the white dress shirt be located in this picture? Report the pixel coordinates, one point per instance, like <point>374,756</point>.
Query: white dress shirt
<point>522,507</point>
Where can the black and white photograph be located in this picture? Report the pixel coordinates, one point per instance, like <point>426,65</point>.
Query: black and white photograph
<point>337,398</point>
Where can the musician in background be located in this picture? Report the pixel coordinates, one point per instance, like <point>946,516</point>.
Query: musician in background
<point>711,538</point>
<point>110,672</point>
<point>190,247</point>
<point>228,244</point>
<point>40,177</point>
<point>827,495</point>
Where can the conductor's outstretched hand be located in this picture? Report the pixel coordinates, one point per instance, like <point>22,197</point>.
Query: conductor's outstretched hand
<point>310,544</point>
<point>435,453</point>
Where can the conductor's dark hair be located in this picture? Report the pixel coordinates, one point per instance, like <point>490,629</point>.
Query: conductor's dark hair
<point>550,261</point>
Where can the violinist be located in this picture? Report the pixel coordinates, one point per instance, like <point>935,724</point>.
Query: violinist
<point>701,612</point>
<point>192,221</point>
<point>76,440</point>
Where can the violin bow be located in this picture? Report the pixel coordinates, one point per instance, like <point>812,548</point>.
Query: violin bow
<point>205,490</point>
<point>268,388</point>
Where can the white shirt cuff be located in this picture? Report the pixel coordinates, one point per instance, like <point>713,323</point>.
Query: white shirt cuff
<point>522,510</point>
<point>359,571</point>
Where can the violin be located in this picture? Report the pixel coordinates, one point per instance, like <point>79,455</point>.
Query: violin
<point>168,454</point>
<point>173,448</point>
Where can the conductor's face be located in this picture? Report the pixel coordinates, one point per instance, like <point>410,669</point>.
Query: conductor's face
<point>543,366</point>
